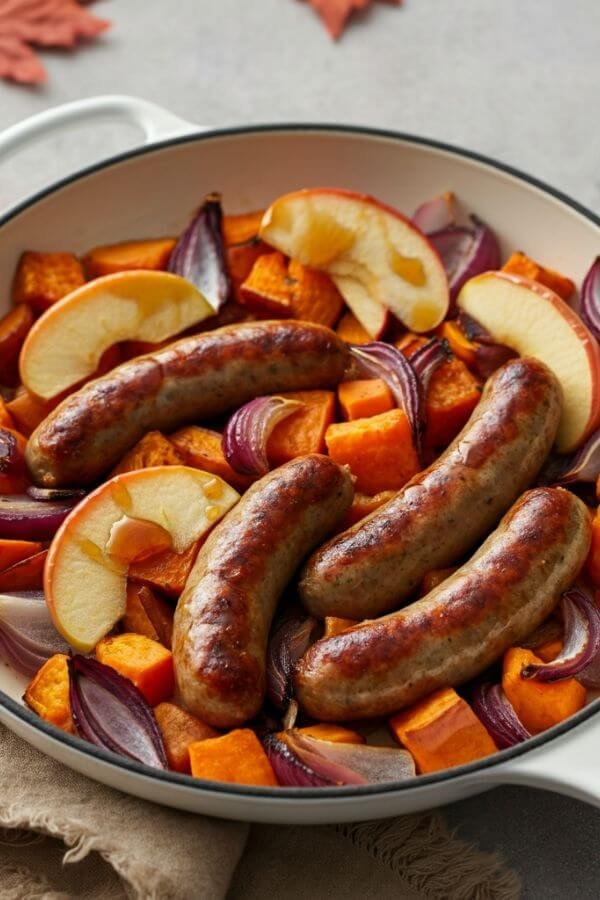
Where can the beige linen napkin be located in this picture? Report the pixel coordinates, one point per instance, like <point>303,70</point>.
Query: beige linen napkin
<point>121,847</point>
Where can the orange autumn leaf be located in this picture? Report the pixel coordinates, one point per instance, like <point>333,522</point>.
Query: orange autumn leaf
<point>336,13</point>
<point>42,23</point>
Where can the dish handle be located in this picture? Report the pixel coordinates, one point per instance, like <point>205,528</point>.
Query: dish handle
<point>154,122</point>
<point>568,764</point>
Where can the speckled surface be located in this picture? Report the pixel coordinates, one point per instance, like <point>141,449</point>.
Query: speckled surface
<point>517,80</point>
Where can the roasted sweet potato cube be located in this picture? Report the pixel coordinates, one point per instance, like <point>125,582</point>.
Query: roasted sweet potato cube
<point>267,289</point>
<point>6,420</point>
<point>335,625</point>
<point>154,449</point>
<point>152,254</point>
<point>12,552</point>
<point>25,575</point>
<point>521,264</point>
<point>167,571</point>
<point>350,330</point>
<point>48,693</point>
<point>452,396</point>
<point>27,410</point>
<point>145,662</point>
<point>363,398</point>
<point>237,757</point>
<point>148,614</point>
<point>240,261</point>
<point>202,449</point>
<point>315,297</point>
<point>538,704</point>
<point>459,343</point>
<point>43,278</point>
<point>433,578</point>
<point>337,734</point>
<point>379,450</point>
<point>241,228</point>
<point>442,731</point>
<point>304,430</point>
<point>13,331</point>
<point>179,729</point>
<point>363,505</point>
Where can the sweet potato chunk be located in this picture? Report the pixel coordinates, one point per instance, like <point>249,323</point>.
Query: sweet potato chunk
<point>241,228</point>
<point>379,450</point>
<point>25,575</point>
<point>148,614</point>
<point>145,662</point>
<point>363,505</point>
<point>442,731</point>
<point>28,411</point>
<point>237,757</point>
<point>154,449</point>
<point>539,705</point>
<point>12,552</point>
<point>48,693</point>
<point>6,420</point>
<point>13,331</point>
<point>304,430</point>
<point>521,264</point>
<point>350,330</point>
<point>278,287</point>
<point>240,262</point>
<point>363,398</point>
<point>180,729</point>
<point>202,449</point>
<point>335,625</point>
<point>43,278</point>
<point>452,396</point>
<point>327,731</point>
<point>152,254</point>
<point>167,571</point>
<point>459,343</point>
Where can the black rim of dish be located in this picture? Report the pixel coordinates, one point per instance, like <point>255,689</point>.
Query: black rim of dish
<point>306,796</point>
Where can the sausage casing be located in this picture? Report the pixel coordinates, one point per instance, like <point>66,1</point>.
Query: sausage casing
<point>444,511</point>
<point>194,379</point>
<point>223,617</point>
<point>491,603</point>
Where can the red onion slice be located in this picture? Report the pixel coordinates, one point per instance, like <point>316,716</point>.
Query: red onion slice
<point>583,467</point>
<point>466,252</point>
<point>380,360</point>
<point>489,355</point>
<point>247,433</point>
<point>581,644</point>
<point>427,358</point>
<point>27,636</point>
<point>589,304</point>
<point>199,254</point>
<point>494,709</point>
<point>110,712</point>
<point>289,769</point>
<point>22,518</point>
<point>436,214</point>
<point>289,641</point>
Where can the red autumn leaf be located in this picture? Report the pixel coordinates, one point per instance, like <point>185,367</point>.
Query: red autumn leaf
<point>43,23</point>
<point>335,13</point>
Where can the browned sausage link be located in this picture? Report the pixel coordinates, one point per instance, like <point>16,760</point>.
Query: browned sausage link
<point>224,614</point>
<point>444,511</point>
<point>195,378</point>
<point>491,603</point>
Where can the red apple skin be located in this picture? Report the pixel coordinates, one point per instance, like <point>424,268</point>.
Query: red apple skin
<point>592,348</point>
<point>373,201</point>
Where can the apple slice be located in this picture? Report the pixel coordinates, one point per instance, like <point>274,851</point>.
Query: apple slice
<point>85,579</point>
<point>66,343</point>
<point>534,321</point>
<point>377,258</point>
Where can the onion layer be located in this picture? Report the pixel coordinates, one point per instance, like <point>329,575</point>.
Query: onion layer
<point>22,518</point>
<point>199,254</point>
<point>489,355</point>
<point>427,358</point>
<point>589,306</point>
<point>581,644</point>
<point>110,712</point>
<point>300,760</point>
<point>27,636</point>
<point>583,467</point>
<point>289,640</point>
<point>466,252</point>
<point>247,433</point>
<point>493,708</point>
<point>436,214</point>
